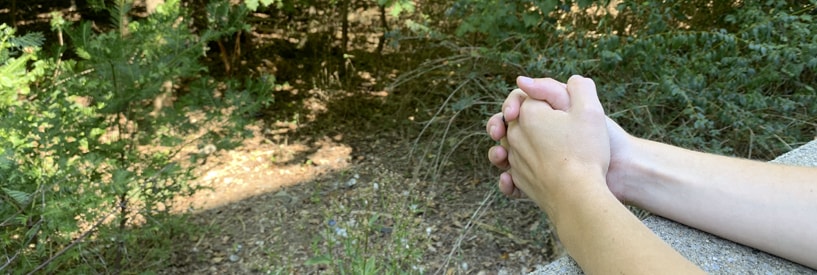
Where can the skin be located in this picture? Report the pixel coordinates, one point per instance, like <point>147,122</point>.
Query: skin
<point>569,183</point>
<point>767,206</point>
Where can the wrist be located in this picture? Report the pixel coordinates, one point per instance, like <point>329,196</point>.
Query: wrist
<point>573,212</point>
<point>642,172</point>
<point>629,168</point>
<point>580,192</point>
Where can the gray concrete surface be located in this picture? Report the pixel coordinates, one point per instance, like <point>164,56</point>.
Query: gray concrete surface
<point>713,254</point>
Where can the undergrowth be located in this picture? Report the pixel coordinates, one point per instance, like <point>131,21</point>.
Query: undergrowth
<point>96,149</point>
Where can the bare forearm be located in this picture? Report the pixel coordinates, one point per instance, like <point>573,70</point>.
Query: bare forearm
<point>767,206</point>
<point>605,238</point>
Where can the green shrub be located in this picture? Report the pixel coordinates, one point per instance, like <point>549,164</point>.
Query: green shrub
<point>738,79</point>
<point>93,153</point>
<point>747,92</point>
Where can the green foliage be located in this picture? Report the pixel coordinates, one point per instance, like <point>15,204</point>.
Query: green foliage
<point>226,17</point>
<point>15,54</point>
<point>254,4</point>
<point>496,21</point>
<point>747,92</point>
<point>739,81</point>
<point>398,6</point>
<point>92,150</point>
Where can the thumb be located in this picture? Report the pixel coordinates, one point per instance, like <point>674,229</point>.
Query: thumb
<point>545,89</point>
<point>583,96</point>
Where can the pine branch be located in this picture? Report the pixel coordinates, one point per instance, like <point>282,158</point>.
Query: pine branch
<point>33,39</point>
<point>119,15</point>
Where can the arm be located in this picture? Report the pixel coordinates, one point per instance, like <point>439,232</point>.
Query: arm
<point>605,238</point>
<point>560,159</point>
<point>768,206</point>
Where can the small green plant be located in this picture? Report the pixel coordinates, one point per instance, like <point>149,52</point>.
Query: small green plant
<point>377,235</point>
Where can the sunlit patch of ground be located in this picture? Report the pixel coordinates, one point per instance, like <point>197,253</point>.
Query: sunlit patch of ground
<point>262,167</point>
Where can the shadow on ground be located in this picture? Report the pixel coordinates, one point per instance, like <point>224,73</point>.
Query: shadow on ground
<point>327,179</point>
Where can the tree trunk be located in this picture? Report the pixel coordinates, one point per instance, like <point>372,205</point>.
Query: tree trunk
<point>385,25</point>
<point>344,40</point>
<point>344,10</point>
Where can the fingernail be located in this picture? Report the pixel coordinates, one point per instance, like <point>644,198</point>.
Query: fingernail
<point>524,80</point>
<point>493,131</point>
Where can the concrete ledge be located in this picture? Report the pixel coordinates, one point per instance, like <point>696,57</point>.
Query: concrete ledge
<point>713,254</point>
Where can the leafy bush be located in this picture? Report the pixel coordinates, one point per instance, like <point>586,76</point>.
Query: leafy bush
<point>747,92</point>
<point>96,150</point>
<point>738,79</point>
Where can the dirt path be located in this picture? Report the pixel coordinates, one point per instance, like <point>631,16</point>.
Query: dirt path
<point>282,204</point>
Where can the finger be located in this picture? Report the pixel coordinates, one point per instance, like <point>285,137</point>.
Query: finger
<point>517,193</point>
<point>510,108</point>
<point>531,105</point>
<point>498,156</point>
<point>583,96</point>
<point>508,187</point>
<point>495,127</point>
<point>546,89</point>
<point>506,184</point>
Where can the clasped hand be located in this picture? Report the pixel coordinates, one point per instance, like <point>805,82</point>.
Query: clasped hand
<point>552,141</point>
